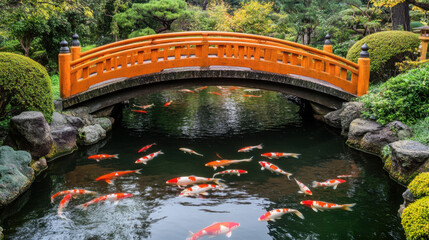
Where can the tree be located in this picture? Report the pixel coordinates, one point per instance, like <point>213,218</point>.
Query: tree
<point>253,17</point>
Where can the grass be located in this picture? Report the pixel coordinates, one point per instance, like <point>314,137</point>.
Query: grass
<point>88,47</point>
<point>55,84</point>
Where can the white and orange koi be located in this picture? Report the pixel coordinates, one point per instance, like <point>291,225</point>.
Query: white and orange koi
<point>112,176</point>
<point>64,202</point>
<point>222,163</point>
<point>168,103</point>
<point>275,214</point>
<point>345,176</point>
<point>99,157</point>
<point>329,183</point>
<point>143,149</point>
<point>191,180</point>
<point>187,150</point>
<point>214,230</point>
<point>250,148</point>
<point>149,157</point>
<point>237,172</point>
<point>251,90</point>
<point>319,205</point>
<point>197,190</point>
<point>273,168</point>
<point>114,197</point>
<point>145,106</point>
<point>277,155</point>
<point>186,90</point>
<point>303,189</point>
<point>200,88</point>
<point>73,192</point>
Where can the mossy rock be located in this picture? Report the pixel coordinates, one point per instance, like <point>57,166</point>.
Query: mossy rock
<point>401,178</point>
<point>25,85</point>
<point>415,220</point>
<point>385,49</point>
<point>419,187</point>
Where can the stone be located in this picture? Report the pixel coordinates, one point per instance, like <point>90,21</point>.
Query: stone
<point>104,122</point>
<point>333,118</point>
<point>58,105</point>
<point>15,174</point>
<point>408,199</point>
<point>408,156</point>
<point>352,111</point>
<point>58,120</point>
<point>82,113</point>
<point>91,134</point>
<point>29,131</point>
<point>64,141</point>
<point>75,122</point>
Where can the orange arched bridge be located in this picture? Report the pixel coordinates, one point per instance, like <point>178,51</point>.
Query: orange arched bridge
<point>152,54</point>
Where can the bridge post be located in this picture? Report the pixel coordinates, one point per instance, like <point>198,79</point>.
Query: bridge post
<point>364,69</point>
<point>75,47</point>
<point>64,60</point>
<point>327,47</point>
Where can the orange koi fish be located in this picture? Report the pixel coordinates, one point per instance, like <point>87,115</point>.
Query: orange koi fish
<point>273,168</point>
<point>344,176</point>
<point>187,150</point>
<point>149,157</point>
<point>103,156</point>
<point>238,172</point>
<point>143,149</point>
<point>215,229</point>
<point>250,148</point>
<point>216,93</point>
<point>222,163</point>
<point>73,192</point>
<point>197,190</point>
<point>139,111</point>
<point>190,180</point>
<point>275,214</point>
<point>64,202</point>
<point>319,205</point>
<point>200,88</point>
<point>112,176</point>
<point>329,183</point>
<point>168,103</point>
<point>252,95</point>
<point>277,155</point>
<point>303,189</point>
<point>114,197</point>
<point>185,91</point>
<point>234,88</point>
<point>145,106</point>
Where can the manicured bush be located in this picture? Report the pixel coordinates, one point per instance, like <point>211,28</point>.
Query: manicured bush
<point>419,187</point>
<point>415,220</point>
<point>404,98</point>
<point>142,32</point>
<point>24,86</point>
<point>385,49</point>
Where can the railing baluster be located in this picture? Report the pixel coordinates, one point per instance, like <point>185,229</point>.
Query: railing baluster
<point>220,51</point>
<point>177,52</point>
<point>154,55</point>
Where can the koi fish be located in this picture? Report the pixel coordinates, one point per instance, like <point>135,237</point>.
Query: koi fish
<point>275,214</point>
<point>319,205</point>
<point>329,183</point>
<point>303,189</point>
<point>197,190</point>
<point>234,88</point>
<point>145,106</point>
<point>250,148</point>
<point>64,202</point>
<point>149,157</point>
<point>344,176</point>
<point>215,229</point>
<point>187,150</point>
<point>103,156</point>
<point>251,90</point>
<point>200,88</point>
<point>111,176</point>
<point>139,111</point>
<point>143,149</point>
<point>273,168</point>
<point>185,91</point>
<point>114,197</point>
<point>222,163</point>
<point>252,95</point>
<point>168,103</point>
<point>216,93</point>
<point>190,180</point>
<point>220,87</point>
<point>73,192</point>
<point>231,171</point>
<point>277,155</point>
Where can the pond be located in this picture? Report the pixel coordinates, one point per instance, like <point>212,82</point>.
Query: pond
<point>217,126</point>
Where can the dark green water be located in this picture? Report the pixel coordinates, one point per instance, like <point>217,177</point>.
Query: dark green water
<point>211,124</point>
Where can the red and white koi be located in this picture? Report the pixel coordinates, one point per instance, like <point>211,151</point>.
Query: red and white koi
<point>329,183</point>
<point>99,157</point>
<point>215,93</point>
<point>215,229</point>
<point>200,88</point>
<point>139,111</point>
<point>319,205</point>
<point>250,148</point>
<point>186,91</point>
<point>64,202</point>
<point>145,106</point>
<point>73,192</point>
<point>114,197</point>
<point>191,180</point>
<point>149,157</point>
<point>237,172</point>
<point>344,176</point>
<point>273,168</point>
<point>277,155</point>
<point>234,88</point>
<point>143,149</point>
<point>275,214</point>
<point>112,176</point>
<point>168,103</point>
<point>197,190</point>
<point>303,189</point>
<point>252,96</point>
<point>222,163</point>
<point>187,150</point>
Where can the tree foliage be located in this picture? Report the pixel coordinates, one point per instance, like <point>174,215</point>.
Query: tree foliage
<point>253,17</point>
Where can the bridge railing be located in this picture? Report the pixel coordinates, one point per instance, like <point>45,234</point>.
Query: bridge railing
<point>151,54</point>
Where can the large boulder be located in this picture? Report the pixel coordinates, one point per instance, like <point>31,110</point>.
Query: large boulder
<point>15,174</point>
<point>91,134</point>
<point>358,128</point>
<point>63,135</point>
<point>104,122</point>
<point>342,117</point>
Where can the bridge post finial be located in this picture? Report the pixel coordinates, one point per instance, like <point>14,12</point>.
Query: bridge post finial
<point>75,48</point>
<point>327,47</point>
<point>364,70</point>
<point>64,60</point>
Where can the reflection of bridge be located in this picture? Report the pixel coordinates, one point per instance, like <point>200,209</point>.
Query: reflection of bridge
<point>148,55</point>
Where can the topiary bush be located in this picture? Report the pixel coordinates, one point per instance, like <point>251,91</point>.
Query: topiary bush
<point>24,86</point>
<point>419,187</point>
<point>415,220</point>
<point>385,49</point>
<point>404,98</point>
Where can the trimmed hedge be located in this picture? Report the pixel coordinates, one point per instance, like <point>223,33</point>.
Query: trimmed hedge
<point>24,85</point>
<point>415,220</point>
<point>385,49</point>
<point>419,187</point>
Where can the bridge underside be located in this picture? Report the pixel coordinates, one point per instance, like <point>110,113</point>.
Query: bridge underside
<point>118,90</point>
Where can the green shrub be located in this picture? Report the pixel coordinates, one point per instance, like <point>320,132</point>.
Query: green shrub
<point>419,187</point>
<point>404,98</point>
<point>142,32</point>
<point>415,220</point>
<point>421,131</point>
<point>24,85</point>
<point>385,49</point>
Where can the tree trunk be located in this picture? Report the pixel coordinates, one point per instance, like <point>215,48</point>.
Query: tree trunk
<point>401,16</point>
<point>307,36</point>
